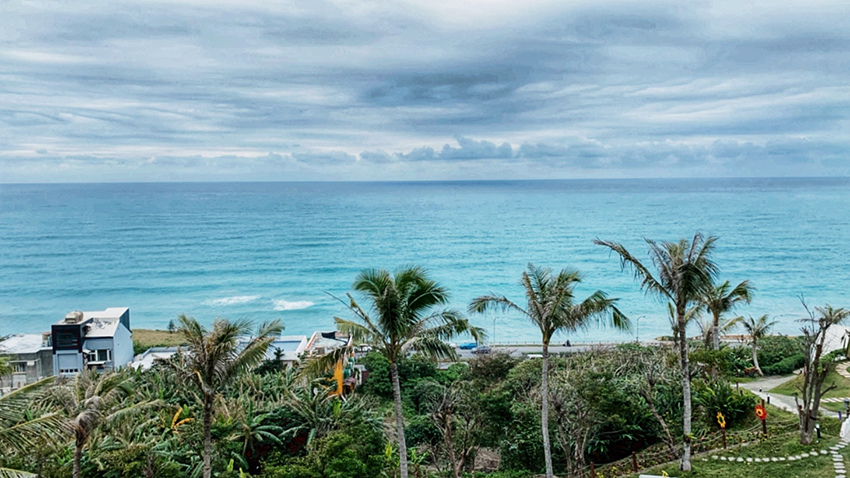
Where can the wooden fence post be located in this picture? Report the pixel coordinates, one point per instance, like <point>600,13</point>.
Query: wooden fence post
<point>634,462</point>
<point>592,470</point>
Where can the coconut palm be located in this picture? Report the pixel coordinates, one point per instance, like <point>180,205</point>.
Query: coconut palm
<point>402,318</point>
<point>685,274</point>
<point>91,399</point>
<point>20,431</point>
<point>757,329</point>
<point>553,308</point>
<point>216,357</point>
<point>720,300</point>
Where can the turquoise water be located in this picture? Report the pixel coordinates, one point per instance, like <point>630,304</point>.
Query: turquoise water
<point>274,250</point>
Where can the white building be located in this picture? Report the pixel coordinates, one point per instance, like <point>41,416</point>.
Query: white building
<point>290,348</point>
<point>30,357</point>
<point>100,340</point>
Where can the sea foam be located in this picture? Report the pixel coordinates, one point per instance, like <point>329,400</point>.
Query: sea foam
<point>281,304</point>
<point>238,299</point>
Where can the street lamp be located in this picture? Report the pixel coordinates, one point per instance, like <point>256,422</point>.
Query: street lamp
<point>637,329</point>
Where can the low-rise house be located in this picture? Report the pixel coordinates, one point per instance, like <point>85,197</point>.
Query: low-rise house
<point>100,340</point>
<point>149,357</point>
<point>289,348</point>
<point>30,357</point>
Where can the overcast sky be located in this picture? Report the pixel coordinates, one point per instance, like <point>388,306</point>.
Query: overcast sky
<point>312,90</point>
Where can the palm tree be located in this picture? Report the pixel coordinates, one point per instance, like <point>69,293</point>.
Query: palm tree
<point>758,329</point>
<point>91,399</point>
<point>685,274</point>
<point>318,411</point>
<point>720,300</point>
<point>552,307</point>
<point>249,429</point>
<point>20,431</point>
<point>216,357</point>
<point>402,320</point>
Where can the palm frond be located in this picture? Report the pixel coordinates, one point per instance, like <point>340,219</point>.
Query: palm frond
<point>648,282</point>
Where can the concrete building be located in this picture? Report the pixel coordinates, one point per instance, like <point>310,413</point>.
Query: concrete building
<point>290,348</point>
<point>100,340</point>
<point>31,359</point>
<point>149,357</point>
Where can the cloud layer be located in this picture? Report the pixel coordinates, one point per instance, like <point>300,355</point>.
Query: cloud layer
<point>184,90</point>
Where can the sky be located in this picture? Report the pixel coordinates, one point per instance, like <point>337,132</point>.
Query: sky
<point>422,90</point>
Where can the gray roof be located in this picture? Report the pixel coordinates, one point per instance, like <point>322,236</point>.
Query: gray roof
<point>21,344</point>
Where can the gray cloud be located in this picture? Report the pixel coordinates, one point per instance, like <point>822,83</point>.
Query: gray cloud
<point>377,90</point>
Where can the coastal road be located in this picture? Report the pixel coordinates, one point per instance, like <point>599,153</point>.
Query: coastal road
<point>522,350</point>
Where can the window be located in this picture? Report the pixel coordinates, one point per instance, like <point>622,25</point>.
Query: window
<point>67,339</point>
<point>100,355</point>
<point>19,367</point>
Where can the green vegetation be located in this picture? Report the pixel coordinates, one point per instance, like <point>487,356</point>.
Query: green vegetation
<point>793,386</point>
<point>404,321</point>
<point>785,445</point>
<point>219,409</point>
<point>684,276</point>
<point>552,307</point>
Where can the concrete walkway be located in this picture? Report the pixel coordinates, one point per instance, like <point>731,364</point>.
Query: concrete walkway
<point>761,386</point>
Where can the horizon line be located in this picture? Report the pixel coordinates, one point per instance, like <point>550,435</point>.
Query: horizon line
<point>427,181</point>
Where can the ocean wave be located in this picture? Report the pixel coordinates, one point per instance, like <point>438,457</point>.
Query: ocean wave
<point>238,299</point>
<point>281,304</point>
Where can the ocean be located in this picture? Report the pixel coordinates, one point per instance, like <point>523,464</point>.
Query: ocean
<point>280,250</point>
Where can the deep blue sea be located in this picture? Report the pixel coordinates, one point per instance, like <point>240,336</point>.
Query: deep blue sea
<point>274,250</point>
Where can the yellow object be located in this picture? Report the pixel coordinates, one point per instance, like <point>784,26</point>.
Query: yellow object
<point>664,474</point>
<point>338,377</point>
<point>721,420</point>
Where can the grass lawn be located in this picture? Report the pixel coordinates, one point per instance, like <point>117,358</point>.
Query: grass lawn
<point>144,339</point>
<point>793,386</point>
<point>812,467</point>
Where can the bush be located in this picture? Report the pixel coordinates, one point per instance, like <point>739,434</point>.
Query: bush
<point>785,366</point>
<point>776,348</point>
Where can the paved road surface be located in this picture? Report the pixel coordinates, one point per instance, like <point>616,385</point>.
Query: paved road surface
<point>523,350</point>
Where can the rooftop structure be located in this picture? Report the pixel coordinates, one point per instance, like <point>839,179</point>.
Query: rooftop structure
<point>147,359</point>
<point>290,346</point>
<point>324,342</point>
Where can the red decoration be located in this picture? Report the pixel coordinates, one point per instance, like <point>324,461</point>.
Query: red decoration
<point>761,412</point>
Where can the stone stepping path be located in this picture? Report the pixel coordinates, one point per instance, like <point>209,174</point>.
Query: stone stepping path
<point>838,460</point>
<point>834,399</point>
<point>842,370</point>
<point>834,452</point>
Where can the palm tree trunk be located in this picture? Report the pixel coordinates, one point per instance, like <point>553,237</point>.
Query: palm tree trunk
<point>399,421</point>
<point>207,437</point>
<point>686,389</point>
<point>756,359</point>
<point>544,416</point>
<point>715,332</point>
<point>78,455</point>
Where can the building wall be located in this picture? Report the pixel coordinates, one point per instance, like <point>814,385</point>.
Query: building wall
<point>122,353</point>
<point>67,360</point>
